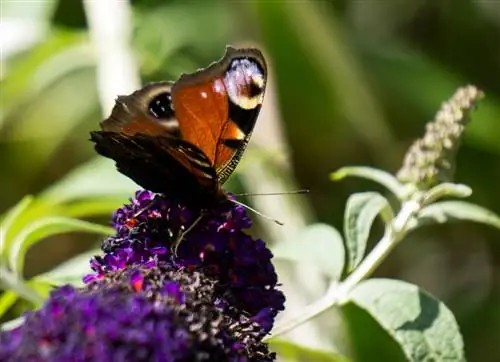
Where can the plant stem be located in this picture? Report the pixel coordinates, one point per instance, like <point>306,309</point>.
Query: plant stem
<point>338,293</point>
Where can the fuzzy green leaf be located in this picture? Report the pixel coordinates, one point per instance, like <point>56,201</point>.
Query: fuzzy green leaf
<point>447,189</point>
<point>446,211</point>
<point>296,353</point>
<point>319,245</point>
<point>360,212</point>
<point>381,177</point>
<point>423,326</point>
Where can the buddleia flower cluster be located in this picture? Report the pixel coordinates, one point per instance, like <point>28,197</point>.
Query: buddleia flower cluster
<point>215,300</point>
<point>431,159</point>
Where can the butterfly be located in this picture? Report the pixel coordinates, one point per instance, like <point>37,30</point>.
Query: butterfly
<point>185,138</point>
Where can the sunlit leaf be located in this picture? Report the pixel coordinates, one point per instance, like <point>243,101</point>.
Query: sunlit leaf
<point>14,283</point>
<point>96,178</point>
<point>42,288</point>
<point>23,74</point>
<point>7,300</point>
<point>92,207</point>
<point>43,228</point>
<point>360,212</point>
<point>295,353</point>
<point>447,189</point>
<point>319,245</point>
<point>381,177</point>
<point>423,326</point>
<point>9,219</point>
<point>446,211</point>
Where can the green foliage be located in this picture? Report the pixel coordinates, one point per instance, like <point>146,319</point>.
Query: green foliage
<point>296,353</point>
<point>355,82</point>
<point>360,212</point>
<point>446,211</point>
<point>43,228</point>
<point>423,326</point>
<point>383,178</point>
<point>54,212</point>
<point>318,245</point>
<point>26,224</point>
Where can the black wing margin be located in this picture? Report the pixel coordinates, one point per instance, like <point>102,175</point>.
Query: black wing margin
<point>162,164</point>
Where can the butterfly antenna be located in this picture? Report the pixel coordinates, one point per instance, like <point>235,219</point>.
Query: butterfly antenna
<point>258,213</point>
<point>297,192</point>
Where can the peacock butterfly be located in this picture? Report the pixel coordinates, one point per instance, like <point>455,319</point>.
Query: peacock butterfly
<point>185,138</point>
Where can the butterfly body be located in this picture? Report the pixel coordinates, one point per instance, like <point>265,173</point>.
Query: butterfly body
<point>185,138</point>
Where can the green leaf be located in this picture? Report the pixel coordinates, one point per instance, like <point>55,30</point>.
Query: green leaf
<point>360,212</point>
<point>13,282</point>
<point>367,338</point>
<point>43,228</point>
<point>42,289</point>
<point>381,177</point>
<point>71,271</point>
<point>446,189</point>
<point>96,178</point>
<point>295,353</point>
<point>9,219</point>
<point>92,207</point>
<point>424,327</point>
<point>445,211</point>
<point>7,300</point>
<point>319,245</point>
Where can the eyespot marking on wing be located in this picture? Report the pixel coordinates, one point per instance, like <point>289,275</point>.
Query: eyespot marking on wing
<point>245,83</point>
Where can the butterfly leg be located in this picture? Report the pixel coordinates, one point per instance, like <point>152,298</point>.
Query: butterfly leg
<point>183,234</point>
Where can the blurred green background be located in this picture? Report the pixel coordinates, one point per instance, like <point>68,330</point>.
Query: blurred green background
<point>351,83</point>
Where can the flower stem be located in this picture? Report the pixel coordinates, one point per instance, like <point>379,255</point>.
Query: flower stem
<point>338,293</point>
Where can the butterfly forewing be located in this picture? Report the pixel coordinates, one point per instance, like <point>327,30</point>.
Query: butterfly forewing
<point>217,107</point>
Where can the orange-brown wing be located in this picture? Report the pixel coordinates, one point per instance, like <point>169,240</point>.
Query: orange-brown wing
<point>217,107</point>
<point>143,138</point>
<point>146,111</point>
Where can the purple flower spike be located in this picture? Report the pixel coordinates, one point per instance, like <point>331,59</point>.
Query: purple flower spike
<point>171,317</point>
<point>149,227</point>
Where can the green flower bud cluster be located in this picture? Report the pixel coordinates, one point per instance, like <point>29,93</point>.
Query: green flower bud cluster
<point>431,159</point>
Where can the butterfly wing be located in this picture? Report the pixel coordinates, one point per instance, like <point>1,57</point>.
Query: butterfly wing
<point>142,137</point>
<point>186,138</point>
<point>217,107</point>
<point>160,164</point>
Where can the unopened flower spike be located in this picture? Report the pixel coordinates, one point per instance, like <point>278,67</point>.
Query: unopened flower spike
<point>431,159</point>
